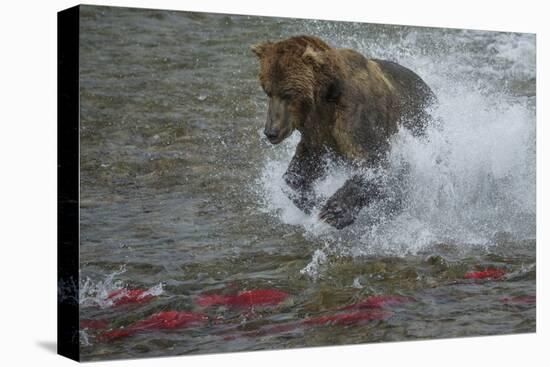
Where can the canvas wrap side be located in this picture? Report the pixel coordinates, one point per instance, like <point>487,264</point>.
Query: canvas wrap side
<point>68,182</point>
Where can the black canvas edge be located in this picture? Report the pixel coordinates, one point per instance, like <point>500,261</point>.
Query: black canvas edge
<point>68,187</point>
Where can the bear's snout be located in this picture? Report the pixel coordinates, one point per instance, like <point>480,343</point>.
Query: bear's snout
<point>271,134</point>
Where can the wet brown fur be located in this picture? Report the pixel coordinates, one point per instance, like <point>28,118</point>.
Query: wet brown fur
<point>369,102</point>
<point>341,102</point>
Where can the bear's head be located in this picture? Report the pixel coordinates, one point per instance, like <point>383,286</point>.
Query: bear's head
<point>295,74</point>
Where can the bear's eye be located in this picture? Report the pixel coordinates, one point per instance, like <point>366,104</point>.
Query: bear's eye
<point>286,96</point>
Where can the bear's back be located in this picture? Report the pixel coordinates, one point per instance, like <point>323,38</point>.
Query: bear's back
<point>415,95</point>
<point>380,96</point>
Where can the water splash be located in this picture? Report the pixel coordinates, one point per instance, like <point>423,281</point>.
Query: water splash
<point>471,180</point>
<point>96,293</point>
<point>312,269</point>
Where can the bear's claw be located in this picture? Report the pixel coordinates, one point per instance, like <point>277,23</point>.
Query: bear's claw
<point>337,215</point>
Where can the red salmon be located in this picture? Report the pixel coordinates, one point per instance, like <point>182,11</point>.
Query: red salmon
<point>258,297</point>
<point>93,324</point>
<point>107,336</point>
<point>121,297</point>
<point>169,320</point>
<point>520,300</point>
<point>166,320</point>
<point>485,274</point>
<point>351,318</point>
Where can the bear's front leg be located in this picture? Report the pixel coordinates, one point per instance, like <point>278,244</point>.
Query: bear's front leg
<point>301,192</point>
<point>304,168</point>
<point>342,208</point>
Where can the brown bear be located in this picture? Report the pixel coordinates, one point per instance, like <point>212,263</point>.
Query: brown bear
<point>343,105</point>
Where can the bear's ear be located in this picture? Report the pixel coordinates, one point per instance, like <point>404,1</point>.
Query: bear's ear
<point>312,57</point>
<point>260,48</point>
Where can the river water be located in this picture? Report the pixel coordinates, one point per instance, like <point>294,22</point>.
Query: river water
<point>182,195</point>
